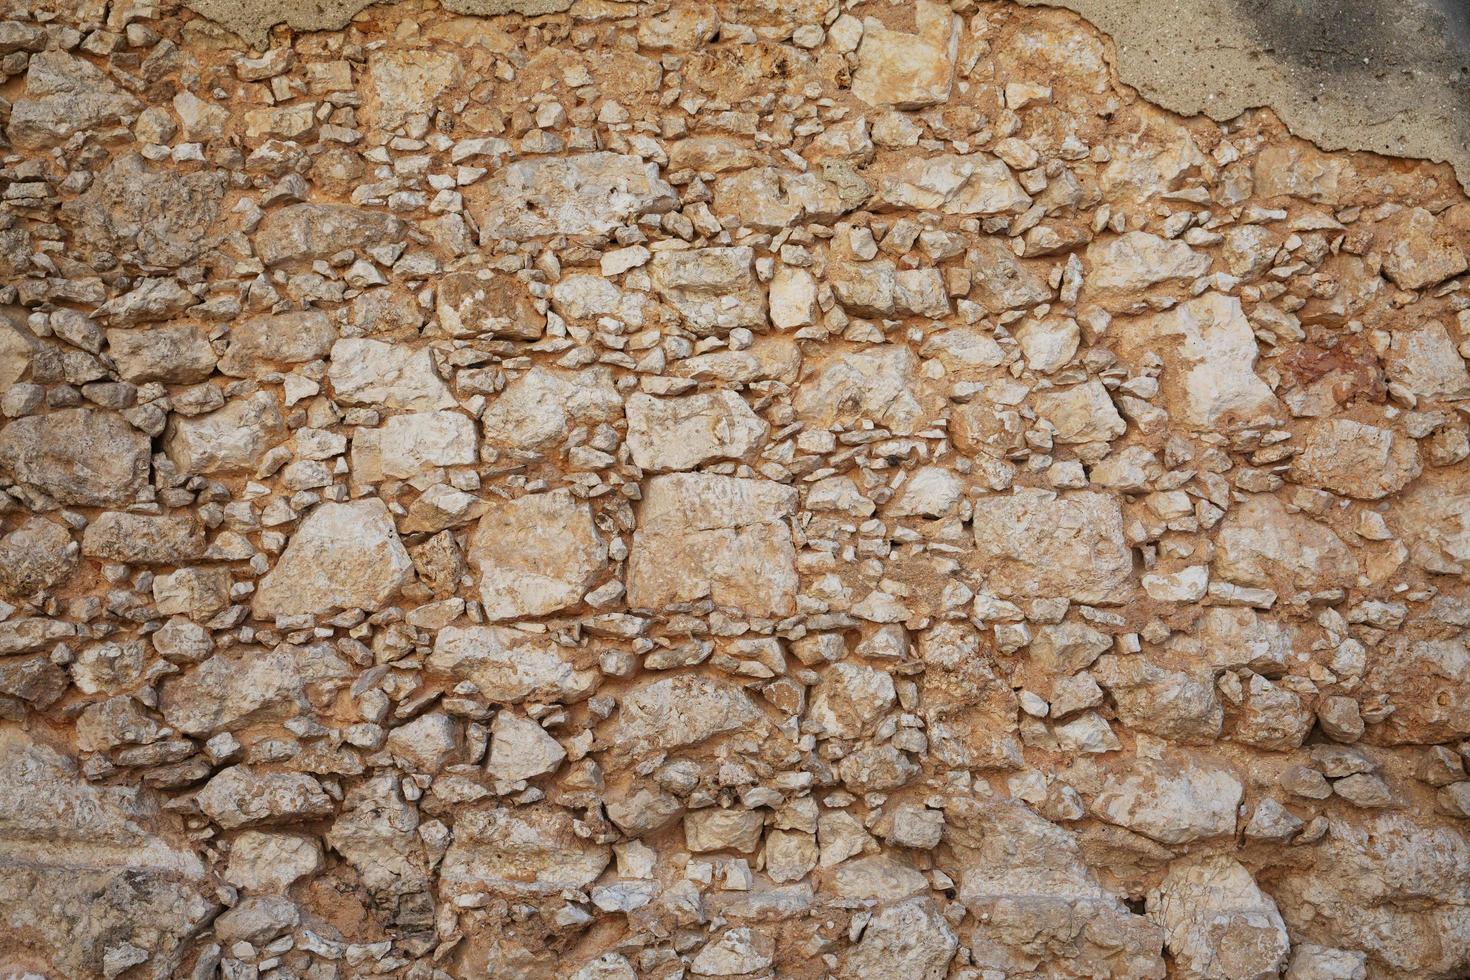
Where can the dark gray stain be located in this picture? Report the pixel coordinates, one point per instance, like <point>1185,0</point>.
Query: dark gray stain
<point>1363,37</point>
<point>1367,42</point>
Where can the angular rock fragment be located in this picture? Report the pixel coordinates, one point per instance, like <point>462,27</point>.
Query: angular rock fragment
<point>726,538</point>
<point>1260,543</point>
<point>39,554</point>
<point>585,194</point>
<point>1356,459</point>
<point>234,437</point>
<point>177,354</point>
<point>315,231</point>
<point>284,338</point>
<point>674,712</point>
<point>908,71</point>
<point>405,82</point>
<point>376,832</point>
<point>343,556</point>
<point>143,538</point>
<point>1217,921</point>
<point>1209,381</point>
<point>712,289</point>
<point>877,384</point>
<point>473,304</point>
<point>243,797</point>
<point>1137,260</point>
<point>540,407</point>
<point>165,217</point>
<point>371,372</point>
<point>535,555</point>
<point>682,433</point>
<point>1032,542</point>
<point>78,456</point>
<point>64,95</point>
<point>413,443</point>
<point>1172,803</point>
<point>90,868</point>
<point>525,851</point>
<point>510,666</point>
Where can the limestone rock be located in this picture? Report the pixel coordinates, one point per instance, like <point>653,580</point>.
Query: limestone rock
<point>1083,413</point>
<point>1023,878</point>
<point>1032,542</point>
<point>1419,251</point>
<point>1172,704</point>
<point>508,665</point>
<point>1210,352</point>
<point>1311,962</point>
<point>270,863</point>
<point>284,338</point>
<point>39,554</point>
<point>1188,800</point>
<point>413,443</point>
<point>234,437</point>
<point>177,354</point>
<point>230,691</point>
<point>476,304</point>
<point>976,183</point>
<point>1388,884</point>
<point>717,536</point>
<point>586,194</point>
<point>526,851</point>
<point>78,456</point>
<point>1262,545</point>
<point>64,95</point>
<point>540,407</point>
<point>88,868</point>
<point>377,832</point>
<point>143,539</point>
<point>1424,361</point>
<point>674,712</point>
<point>906,939</point>
<point>683,433</point>
<point>521,749</point>
<point>372,372</point>
<point>1356,459</point>
<point>877,384</point>
<point>908,71</point>
<point>1137,260</point>
<point>850,699</point>
<point>712,289</point>
<point>316,231</point>
<point>535,555</point>
<point>1217,921</point>
<point>343,556</point>
<point>168,218</point>
<point>243,797</point>
<point>405,82</point>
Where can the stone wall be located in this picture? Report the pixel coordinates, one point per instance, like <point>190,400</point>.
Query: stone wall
<point>764,488</point>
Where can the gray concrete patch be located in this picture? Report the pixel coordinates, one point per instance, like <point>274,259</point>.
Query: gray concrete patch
<point>1389,76</point>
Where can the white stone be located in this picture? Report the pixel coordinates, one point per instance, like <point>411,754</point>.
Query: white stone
<point>535,555</point>
<point>343,556</point>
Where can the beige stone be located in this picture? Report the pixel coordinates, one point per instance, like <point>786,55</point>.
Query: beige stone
<point>343,556</point>
<point>535,555</point>
<point>717,536</point>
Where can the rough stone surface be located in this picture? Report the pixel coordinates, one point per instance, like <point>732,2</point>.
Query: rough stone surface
<point>344,556</point>
<point>535,555</point>
<point>78,456</point>
<point>597,491</point>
